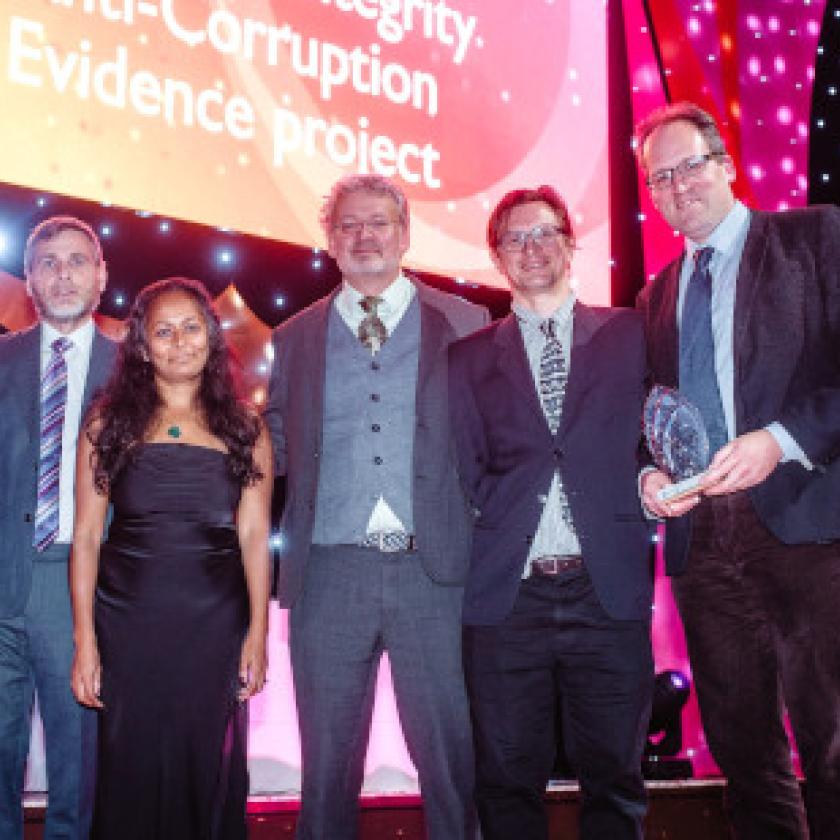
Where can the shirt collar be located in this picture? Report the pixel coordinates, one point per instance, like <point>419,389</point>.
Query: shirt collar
<point>81,337</point>
<point>530,319</point>
<point>395,296</point>
<point>725,236</point>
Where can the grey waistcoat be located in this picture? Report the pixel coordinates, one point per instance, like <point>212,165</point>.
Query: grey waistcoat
<point>369,419</point>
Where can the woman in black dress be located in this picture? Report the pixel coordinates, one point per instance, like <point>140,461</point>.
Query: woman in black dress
<point>170,611</point>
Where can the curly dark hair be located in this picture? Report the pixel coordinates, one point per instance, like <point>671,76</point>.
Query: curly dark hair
<point>122,413</point>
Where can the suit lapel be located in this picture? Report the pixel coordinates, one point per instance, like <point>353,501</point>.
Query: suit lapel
<point>101,361</point>
<point>26,381</point>
<point>436,333</point>
<point>513,362</point>
<point>748,283</point>
<point>664,348</point>
<point>314,356</point>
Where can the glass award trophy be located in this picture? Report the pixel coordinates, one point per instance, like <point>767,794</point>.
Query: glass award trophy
<point>677,440</point>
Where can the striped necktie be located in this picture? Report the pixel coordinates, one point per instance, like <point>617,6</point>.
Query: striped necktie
<point>53,402</point>
<point>553,374</point>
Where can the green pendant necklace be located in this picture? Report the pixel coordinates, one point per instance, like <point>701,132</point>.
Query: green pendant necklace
<point>174,431</point>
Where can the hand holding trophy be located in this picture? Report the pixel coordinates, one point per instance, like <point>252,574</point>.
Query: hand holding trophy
<point>677,440</point>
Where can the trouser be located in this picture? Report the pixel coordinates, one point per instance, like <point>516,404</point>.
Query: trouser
<point>36,653</point>
<point>761,623</point>
<point>558,648</point>
<point>356,604</point>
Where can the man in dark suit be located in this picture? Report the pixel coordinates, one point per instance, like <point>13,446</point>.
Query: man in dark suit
<point>39,423</point>
<point>375,529</point>
<point>546,414</point>
<point>747,323</point>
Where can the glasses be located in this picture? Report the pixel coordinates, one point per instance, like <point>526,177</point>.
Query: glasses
<point>52,265</point>
<point>352,227</point>
<point>513,241</point>
<point>686,170</point>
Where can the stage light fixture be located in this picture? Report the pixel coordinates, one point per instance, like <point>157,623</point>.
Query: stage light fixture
<point>670,694</point>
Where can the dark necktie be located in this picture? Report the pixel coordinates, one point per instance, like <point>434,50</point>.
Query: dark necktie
<point>53,403</point>
<point>372,332</point>
<point>698,377</point>
<point>553,376</point>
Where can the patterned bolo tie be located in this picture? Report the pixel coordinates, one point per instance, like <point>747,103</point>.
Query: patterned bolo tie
<point>53,403</point>
<point>698,376</point>
<point>553,375</point>
<point>372,332</point>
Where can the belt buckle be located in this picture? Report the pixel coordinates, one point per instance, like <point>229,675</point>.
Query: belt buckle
<point>383,541</point>
<point>389,542</point>
<point>553,565</point>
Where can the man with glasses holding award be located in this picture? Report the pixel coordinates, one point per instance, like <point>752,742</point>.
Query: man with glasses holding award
<point>746,324</point>
<point>546,408</point>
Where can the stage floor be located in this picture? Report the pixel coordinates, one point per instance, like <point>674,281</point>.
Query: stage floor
<point>679,810</point>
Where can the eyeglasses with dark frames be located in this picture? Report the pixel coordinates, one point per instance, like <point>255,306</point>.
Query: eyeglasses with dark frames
<point>688,169</point>
<point>513,241</point>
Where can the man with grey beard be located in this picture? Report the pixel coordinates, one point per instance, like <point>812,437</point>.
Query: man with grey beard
<point>47,377</point>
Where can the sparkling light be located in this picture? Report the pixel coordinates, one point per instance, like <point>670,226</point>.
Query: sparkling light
<point>225,257</point>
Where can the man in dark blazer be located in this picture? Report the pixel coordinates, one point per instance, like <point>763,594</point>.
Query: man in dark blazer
<point>65,276</point>
<point>756,555</point>
<point>375,529</point>
<point>546,408</point>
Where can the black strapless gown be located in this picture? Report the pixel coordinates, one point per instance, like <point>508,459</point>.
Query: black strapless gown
<point>171,613</point>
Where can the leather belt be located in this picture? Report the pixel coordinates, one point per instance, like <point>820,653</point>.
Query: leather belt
<point>552,565</point>
<point>390,541</point>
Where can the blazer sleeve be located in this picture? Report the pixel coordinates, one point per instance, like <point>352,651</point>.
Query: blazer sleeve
<point>275,407</point>
<point>813,420</point>
<point>471,449</point>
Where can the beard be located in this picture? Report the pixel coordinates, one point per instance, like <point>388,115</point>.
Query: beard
<point>62,312</point>
<point>370,262</point>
